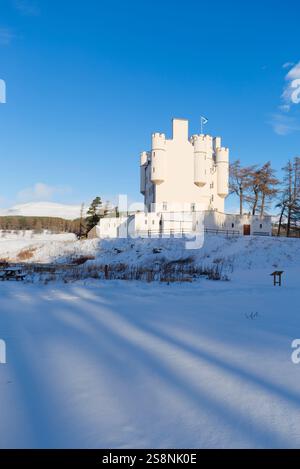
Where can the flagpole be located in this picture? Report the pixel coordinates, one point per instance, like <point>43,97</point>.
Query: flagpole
<point>203,121</point>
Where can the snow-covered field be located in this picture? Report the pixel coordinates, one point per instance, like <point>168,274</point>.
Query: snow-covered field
<point>246,253</point>
<point>206,364</point>
<point>12,243</point>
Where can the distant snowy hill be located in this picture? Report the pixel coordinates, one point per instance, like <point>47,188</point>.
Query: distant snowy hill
<point>43,209</point>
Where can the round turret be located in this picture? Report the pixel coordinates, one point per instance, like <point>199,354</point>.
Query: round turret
<point>158,158</point>
<point>222,162</point>
<point>144,158</point>
<point>143,166</point>
<point>216,143</point>
<point>200,159</point>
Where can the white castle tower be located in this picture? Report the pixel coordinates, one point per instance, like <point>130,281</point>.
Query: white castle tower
<point>184,174</point>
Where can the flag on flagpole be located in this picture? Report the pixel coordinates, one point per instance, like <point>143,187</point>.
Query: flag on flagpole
<point>203,121</point>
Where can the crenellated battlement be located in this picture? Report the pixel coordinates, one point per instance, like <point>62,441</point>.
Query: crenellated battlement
<point>158,141</point>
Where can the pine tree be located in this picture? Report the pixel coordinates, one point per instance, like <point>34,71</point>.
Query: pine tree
<point>93,214</point>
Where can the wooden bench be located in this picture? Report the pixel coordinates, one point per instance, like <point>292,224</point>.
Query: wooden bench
<point>12,274</point>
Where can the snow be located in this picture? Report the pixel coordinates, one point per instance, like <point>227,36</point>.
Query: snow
<point>119,364</point>
<point>232,252</point>
<point>13,243</point>
<point>43,209</point>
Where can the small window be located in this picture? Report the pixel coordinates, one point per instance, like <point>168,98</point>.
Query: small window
<point>232,225</point>
<point>146,221</point>
<point>165,206</point>
<point>260,225</point>
<point>212,198</point>
<point>193,207</point>
<point>154,153</point>
<point>153,170</point>
<point>153,221</point>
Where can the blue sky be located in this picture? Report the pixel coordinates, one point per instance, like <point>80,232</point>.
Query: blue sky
<point>89,81</point>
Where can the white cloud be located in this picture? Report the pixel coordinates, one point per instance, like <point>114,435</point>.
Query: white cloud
<point>283,124</point>
<point>42,192</point>
<point>284,107</point>
<point>294,72</point>
<point>288,64</point>
<point>6,36</point>
<point>2,91</point>
<point>291,91</point>
<point>282,121</point>
<point>26,7</point>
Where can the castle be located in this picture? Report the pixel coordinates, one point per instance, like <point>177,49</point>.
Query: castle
<point>184,181</point>
<point>184,174</point>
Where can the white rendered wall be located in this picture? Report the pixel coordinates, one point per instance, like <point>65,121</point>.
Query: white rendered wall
<point>110,227</point>
<point>153,224</point>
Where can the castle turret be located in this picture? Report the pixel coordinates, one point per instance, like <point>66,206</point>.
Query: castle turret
<point>200,143</point>
<point>158,158</point>
<point>216,143</point>
<point>222,162</point>
<point>144,162</point>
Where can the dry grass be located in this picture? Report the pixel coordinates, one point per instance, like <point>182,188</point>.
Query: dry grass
<point>26,254</point>
<point>174,271</point>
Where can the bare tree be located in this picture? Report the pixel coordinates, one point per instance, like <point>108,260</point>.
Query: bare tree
<point>295,202</point>
<point>288,180</point>
<point>289,203</point>
<point>254,186</point>
<point>262,188</point>
<point>268,185</point>
<point>239,181</point>
<point>81,221</point>
<point>282,204</point>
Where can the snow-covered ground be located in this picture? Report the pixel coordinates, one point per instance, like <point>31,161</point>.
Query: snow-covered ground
<point>12,243</point>
<point>206,364</point>
<point>247,253</point>
<point>121,364</point>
